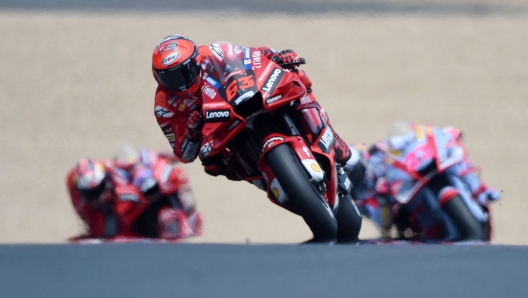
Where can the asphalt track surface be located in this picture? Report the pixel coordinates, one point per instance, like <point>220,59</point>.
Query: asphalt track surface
<point>272,6</point>
<point>190,270</point>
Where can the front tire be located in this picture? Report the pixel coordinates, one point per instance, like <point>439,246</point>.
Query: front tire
<point>467,225</point>
<point>302,194</point>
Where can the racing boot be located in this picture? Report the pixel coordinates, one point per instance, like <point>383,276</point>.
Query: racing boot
<point>342,152</point>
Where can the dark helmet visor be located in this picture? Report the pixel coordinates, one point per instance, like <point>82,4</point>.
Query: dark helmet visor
<point>93,194</point>
<point>181,77</point>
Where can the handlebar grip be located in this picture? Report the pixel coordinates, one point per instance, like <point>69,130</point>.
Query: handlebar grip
<point>286,65</point>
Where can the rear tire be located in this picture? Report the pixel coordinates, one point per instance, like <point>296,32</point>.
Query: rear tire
<point>348,221</point>
<point>302,194</point>
<point>467,225</point>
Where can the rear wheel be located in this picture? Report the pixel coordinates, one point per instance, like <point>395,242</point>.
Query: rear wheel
<point>302,195</point>
<point>467,225</point>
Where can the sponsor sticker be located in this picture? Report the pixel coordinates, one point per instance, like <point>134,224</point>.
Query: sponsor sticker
<point>244,96</point>
<point>327,139</point>
<point>172,99</point>
<point>170,46</point>
<point>217,51</point>
<point>255,59</point>
<point>129,197</point>
<point>190,151</point>
<point>166,174</point>
<point>170,137</point>
<point>184,144</point>
<point>166,129</point>
<point>205,63</point>
<point>233,125</point>
<point>276,192</point>
<point>307,152</point>
<point>247,58</point>
<point>217,115</point>
<point>212,82</point>
<point>271,140</point>
<point>206,149</point>
<point>272,81</point>
<point>273,99</point>
<point>265,72</point>
<point>214,104</point>
<point>315,167</point>
<point>170,58</point>
<point>210,92</point>
<point>161,112</point>
<point>247,53</point>
<point>189,102</point>
<point>171,37</point>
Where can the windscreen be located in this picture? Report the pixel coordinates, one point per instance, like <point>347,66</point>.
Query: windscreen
<point>232,69</point>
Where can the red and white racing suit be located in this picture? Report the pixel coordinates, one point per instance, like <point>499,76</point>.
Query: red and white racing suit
<point>112,215</point>
<point>172,112</point>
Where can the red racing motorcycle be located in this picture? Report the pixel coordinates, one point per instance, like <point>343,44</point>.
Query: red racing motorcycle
<point>262,121</point>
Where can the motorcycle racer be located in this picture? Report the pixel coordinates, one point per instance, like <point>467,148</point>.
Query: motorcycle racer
<point>120,199</point>
<point>369,174</point>
<point>171,213</point>
<point>95,189</point>
<point>179,67</point>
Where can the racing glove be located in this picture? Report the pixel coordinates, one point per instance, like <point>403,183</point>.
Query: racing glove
<point>191,142</point>
<point>194,129</point>
<point>288,58</point>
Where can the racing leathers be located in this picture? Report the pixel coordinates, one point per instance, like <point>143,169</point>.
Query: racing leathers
<point>179,116</point>
<point>171,213</point>
<point>109,215</point>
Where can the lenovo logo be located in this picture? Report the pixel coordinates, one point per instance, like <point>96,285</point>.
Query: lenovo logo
<point>217,115</point>
<point>272,80</point>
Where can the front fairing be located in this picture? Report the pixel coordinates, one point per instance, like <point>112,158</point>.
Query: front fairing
<point>241,83</point>
<point>426,154</point>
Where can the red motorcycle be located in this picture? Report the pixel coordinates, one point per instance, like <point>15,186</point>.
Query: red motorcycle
<point>262,122</point>
<point>134,214</point>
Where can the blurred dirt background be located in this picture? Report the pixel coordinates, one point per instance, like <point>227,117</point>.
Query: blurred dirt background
<point>78,84</point>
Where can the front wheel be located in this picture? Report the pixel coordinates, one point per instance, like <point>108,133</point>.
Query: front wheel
<point>302,195</point>
<point>467,225</point>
